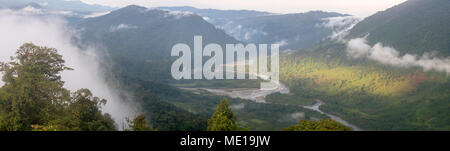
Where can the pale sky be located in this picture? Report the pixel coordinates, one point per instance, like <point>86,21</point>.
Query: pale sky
<point>361,8</point>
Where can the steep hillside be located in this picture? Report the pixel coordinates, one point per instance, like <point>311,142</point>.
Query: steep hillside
<point>375,86</point>
<point>140,39</point>
<point>415,27</point>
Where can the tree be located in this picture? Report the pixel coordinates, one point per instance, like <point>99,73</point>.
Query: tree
<point>32,86</point>
<point>85,114</point>
<point>320,125</point>
<point>223,119</point>
<point>33,96</point>
<point>139,123</point>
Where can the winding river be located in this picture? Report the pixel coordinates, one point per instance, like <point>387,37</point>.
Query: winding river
<point>316,107</point>
<point>259,96</point>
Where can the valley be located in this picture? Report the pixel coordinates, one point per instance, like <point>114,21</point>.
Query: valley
<point>364,92</point>
<point>259,96</point>
<point>388,71</point>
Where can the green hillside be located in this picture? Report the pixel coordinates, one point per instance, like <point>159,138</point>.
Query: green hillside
<point>371,95</point>
<point>139,40</point>
<point>414,27</point>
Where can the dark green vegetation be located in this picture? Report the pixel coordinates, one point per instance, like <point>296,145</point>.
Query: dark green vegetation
<point>139,123</point>
<point>371,95</point>
<point>139,40</point>
<point>140,56</point>
<point>223,119</point>
<point>218,83</point>
<point>320,125</point>
<point>170,108</point>
<point>33,97</point>
<point>363,92</point>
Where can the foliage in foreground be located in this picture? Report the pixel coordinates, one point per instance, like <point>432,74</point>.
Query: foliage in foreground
<point>223,119</point>
<point>320,125</point>
<point>33,97</point>
<point>139,123</point>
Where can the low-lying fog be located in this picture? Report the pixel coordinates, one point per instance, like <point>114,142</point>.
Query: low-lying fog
<point>17,27</point>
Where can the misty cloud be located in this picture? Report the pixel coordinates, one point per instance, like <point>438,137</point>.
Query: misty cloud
<point>282,43</point>
<point>18,28</point>
<point>341,25</point>
<point>298,115</point>
<point>96,14</point>
<point>358,48</point>
<point>175,14</point>
<point>237,106</point>
<point>122,27</point>
<point>30,10</point>
<point>243,33</point>
<point>180,14</point>
<point>207,19</point>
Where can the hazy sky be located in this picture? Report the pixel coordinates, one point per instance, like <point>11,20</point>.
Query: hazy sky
<point>360,8</point>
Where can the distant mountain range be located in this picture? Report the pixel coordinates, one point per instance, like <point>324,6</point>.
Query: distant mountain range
<point>63,5</point>
<point>216,16</point>
<point>72,11</point>
<point>291,31</point>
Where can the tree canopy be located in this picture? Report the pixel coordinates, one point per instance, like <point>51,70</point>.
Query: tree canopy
<point>223,119</point>
<point>320,125</point>
<point>139,123</point>
<point>33,96</point>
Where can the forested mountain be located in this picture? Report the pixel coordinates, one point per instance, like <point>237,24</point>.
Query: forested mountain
<point>140,39</point>
<point>291,31</point>
<point>375,76</point>
<point>415,27</point>
<point>382,88</point>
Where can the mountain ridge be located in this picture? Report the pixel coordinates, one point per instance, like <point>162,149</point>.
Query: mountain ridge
<point>149,35</point>
<point>416,26</point>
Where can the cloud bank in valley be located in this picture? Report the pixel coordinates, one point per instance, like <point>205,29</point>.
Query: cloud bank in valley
<point>359,48</point>
<point>341,26</point>
<point>18,28</point>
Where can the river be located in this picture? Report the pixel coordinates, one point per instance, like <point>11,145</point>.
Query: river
<point>259,96</point>
<point>316,107</point>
